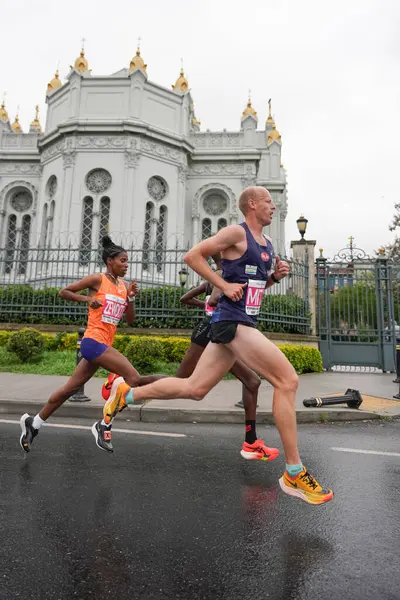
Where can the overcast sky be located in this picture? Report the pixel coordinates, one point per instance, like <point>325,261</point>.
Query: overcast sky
<point>331,68</point>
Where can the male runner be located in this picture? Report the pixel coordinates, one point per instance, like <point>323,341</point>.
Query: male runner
<point>246,261</point>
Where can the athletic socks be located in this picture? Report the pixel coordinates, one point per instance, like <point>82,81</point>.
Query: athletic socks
<point>250,432</point>
<point>129,397</point>
<point>293,470</point>
<point>37,422</point>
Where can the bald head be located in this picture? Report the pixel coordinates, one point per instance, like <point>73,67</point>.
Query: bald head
<point>250,193</point>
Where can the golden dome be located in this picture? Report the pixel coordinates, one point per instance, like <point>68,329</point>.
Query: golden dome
<point>249,110</point>
<point>35,125</point>
<point>274,135</point>
<point>181,84</point>
<point>270,120</point>
<point>16,127</point>
<point>3,112</point>
<point>137,62</point>
<point>81,63</point>
<point>55,83</point>
<point>196,121</point>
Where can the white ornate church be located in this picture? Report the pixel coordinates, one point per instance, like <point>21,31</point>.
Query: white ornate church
<point>122,154</point>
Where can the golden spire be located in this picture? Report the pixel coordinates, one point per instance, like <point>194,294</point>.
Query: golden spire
<point>16,127</point>
<point>270,120</point>
<point>35,125</point>
<point>55,83</point>
<point>137,61</point>
<point>196,121</point>
<point>3,112</point>
<point>181,84</point>
<point>81,64</point>
<point>249,110</point>
<point>274,135</point>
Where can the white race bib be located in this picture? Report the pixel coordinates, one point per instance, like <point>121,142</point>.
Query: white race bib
<point>113,309</point>
<point>254,296</point>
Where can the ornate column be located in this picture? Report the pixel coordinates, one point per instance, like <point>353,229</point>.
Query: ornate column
<point>69,159</point>
<point>195,227</point>
<point>127,216</point>
<point>180,213</point>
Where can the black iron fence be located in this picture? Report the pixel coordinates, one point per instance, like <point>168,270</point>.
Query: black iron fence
<point>30,281</point>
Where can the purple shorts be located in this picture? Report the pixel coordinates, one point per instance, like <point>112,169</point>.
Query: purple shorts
<point>90,349</point>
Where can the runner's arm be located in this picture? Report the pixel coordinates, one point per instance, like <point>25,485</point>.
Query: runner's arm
<point>130,312</point>
<point>190,298</point>
<point>196,258</point>
<point>91,283</point>
<point>215,293</point>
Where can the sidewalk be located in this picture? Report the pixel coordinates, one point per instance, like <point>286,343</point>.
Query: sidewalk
<point>27,393</point>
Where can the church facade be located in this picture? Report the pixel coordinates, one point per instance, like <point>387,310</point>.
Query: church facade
<point>124,155</point>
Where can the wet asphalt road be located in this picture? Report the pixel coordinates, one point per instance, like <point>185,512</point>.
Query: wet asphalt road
<point>188,518</point>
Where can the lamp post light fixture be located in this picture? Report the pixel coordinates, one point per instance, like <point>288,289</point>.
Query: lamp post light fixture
<point>302,225</point>
<point>183,275</point>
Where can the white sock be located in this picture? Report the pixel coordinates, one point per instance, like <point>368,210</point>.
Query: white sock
<point>37,422</point>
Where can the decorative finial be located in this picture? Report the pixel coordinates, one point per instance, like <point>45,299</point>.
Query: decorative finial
<point>55,83</point>
<point>3,112</point>
<point>138,42</point>
<point>270,120</point>
<point>181,84</point>
<point>16,127</point>
<point>321,250</point>
<point>35,125</point>
<point>351,240</point>
<point>83,40</point>
<point>381,251</point>
<point>81,64</point>
<point>249,110</point>
<point>137,61</point>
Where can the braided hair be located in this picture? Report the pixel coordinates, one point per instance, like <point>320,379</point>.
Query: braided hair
<point>110,250</point>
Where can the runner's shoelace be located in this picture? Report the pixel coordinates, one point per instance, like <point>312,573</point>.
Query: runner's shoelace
<point>309,480</point>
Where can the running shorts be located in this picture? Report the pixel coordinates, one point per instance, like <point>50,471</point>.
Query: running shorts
<point>201,333</point>
<point>223,332</point>
<point>91,349</point>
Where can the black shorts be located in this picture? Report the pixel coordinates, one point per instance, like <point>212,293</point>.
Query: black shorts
<point>201,333</point>
<point>224,332</point>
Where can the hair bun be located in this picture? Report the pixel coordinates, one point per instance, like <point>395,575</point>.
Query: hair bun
<point>107,242</point>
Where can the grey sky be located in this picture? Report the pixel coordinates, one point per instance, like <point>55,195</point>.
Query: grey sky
<point>332,70</point>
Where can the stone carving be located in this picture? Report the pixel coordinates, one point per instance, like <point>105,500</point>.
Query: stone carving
<point>22,169</point>
<point>215,204</point>
<point>249,177</point>
<point>69,157</point>
<point>199,140</point>
<point>217,139</point>
<point>160,150</point>
<point>218,169</point>
<point>21,200</point>
<point>214,187</point>
<point>52,151</point>
<point>17,185</point>
<point>233,139</point>
<point>183,173</point>
<point>92,141</point>
<point>132,159</point>
<point>157,188</point>
<point>52,186</point>
<point>98,181</point>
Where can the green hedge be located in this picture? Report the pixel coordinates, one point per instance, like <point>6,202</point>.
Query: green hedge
<point>144,351</point>
<point>156,308</point>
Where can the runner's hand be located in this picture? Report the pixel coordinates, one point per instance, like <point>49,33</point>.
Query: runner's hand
<point>94,302</point>
<point>133,289</point>
<point>234,291</point>
<point>282,268</point>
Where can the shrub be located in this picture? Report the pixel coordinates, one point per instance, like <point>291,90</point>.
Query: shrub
<point>28,344</point>
<point>143,352</point>
<point>174,348</point>
<point>121,342</point>
<point>304,359</point>
<point>4,337</point>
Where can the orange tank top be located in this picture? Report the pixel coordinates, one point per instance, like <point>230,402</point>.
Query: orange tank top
<point>103,321</point>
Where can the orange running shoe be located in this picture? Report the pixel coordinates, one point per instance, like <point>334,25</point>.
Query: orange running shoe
<point>305,487</point>
<point>106,388</point>
<point>258,451</point>
<point>116,401</point>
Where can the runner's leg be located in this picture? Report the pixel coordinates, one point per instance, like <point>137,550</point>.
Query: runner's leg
<point>189,361</point>
<point>115,362</point>
<point>260,354</point>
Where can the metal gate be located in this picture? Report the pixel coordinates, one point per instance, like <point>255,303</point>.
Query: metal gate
<point>356,309</point>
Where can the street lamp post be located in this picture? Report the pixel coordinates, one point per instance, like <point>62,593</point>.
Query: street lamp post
<point>302,225</point>
<point>183,275</point>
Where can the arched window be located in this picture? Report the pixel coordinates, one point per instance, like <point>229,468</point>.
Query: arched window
<point>147,234</point>
<point>222,223</point>
<point>160,237</point>
<point>86,234</point>
<point>104,220</point>
<point>206,229</point>
<point>11,241</point>
<point>24,246</point>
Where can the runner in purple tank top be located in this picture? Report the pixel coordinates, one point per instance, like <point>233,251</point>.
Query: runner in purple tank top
<point>246,260</point>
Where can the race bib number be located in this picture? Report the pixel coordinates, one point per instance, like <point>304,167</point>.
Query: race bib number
<point>208,309</point>
<point>254,296</point>
<point>113,309</point>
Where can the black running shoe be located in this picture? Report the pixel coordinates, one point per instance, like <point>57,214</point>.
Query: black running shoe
<point>102,435</point>
<point>28,432</point>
